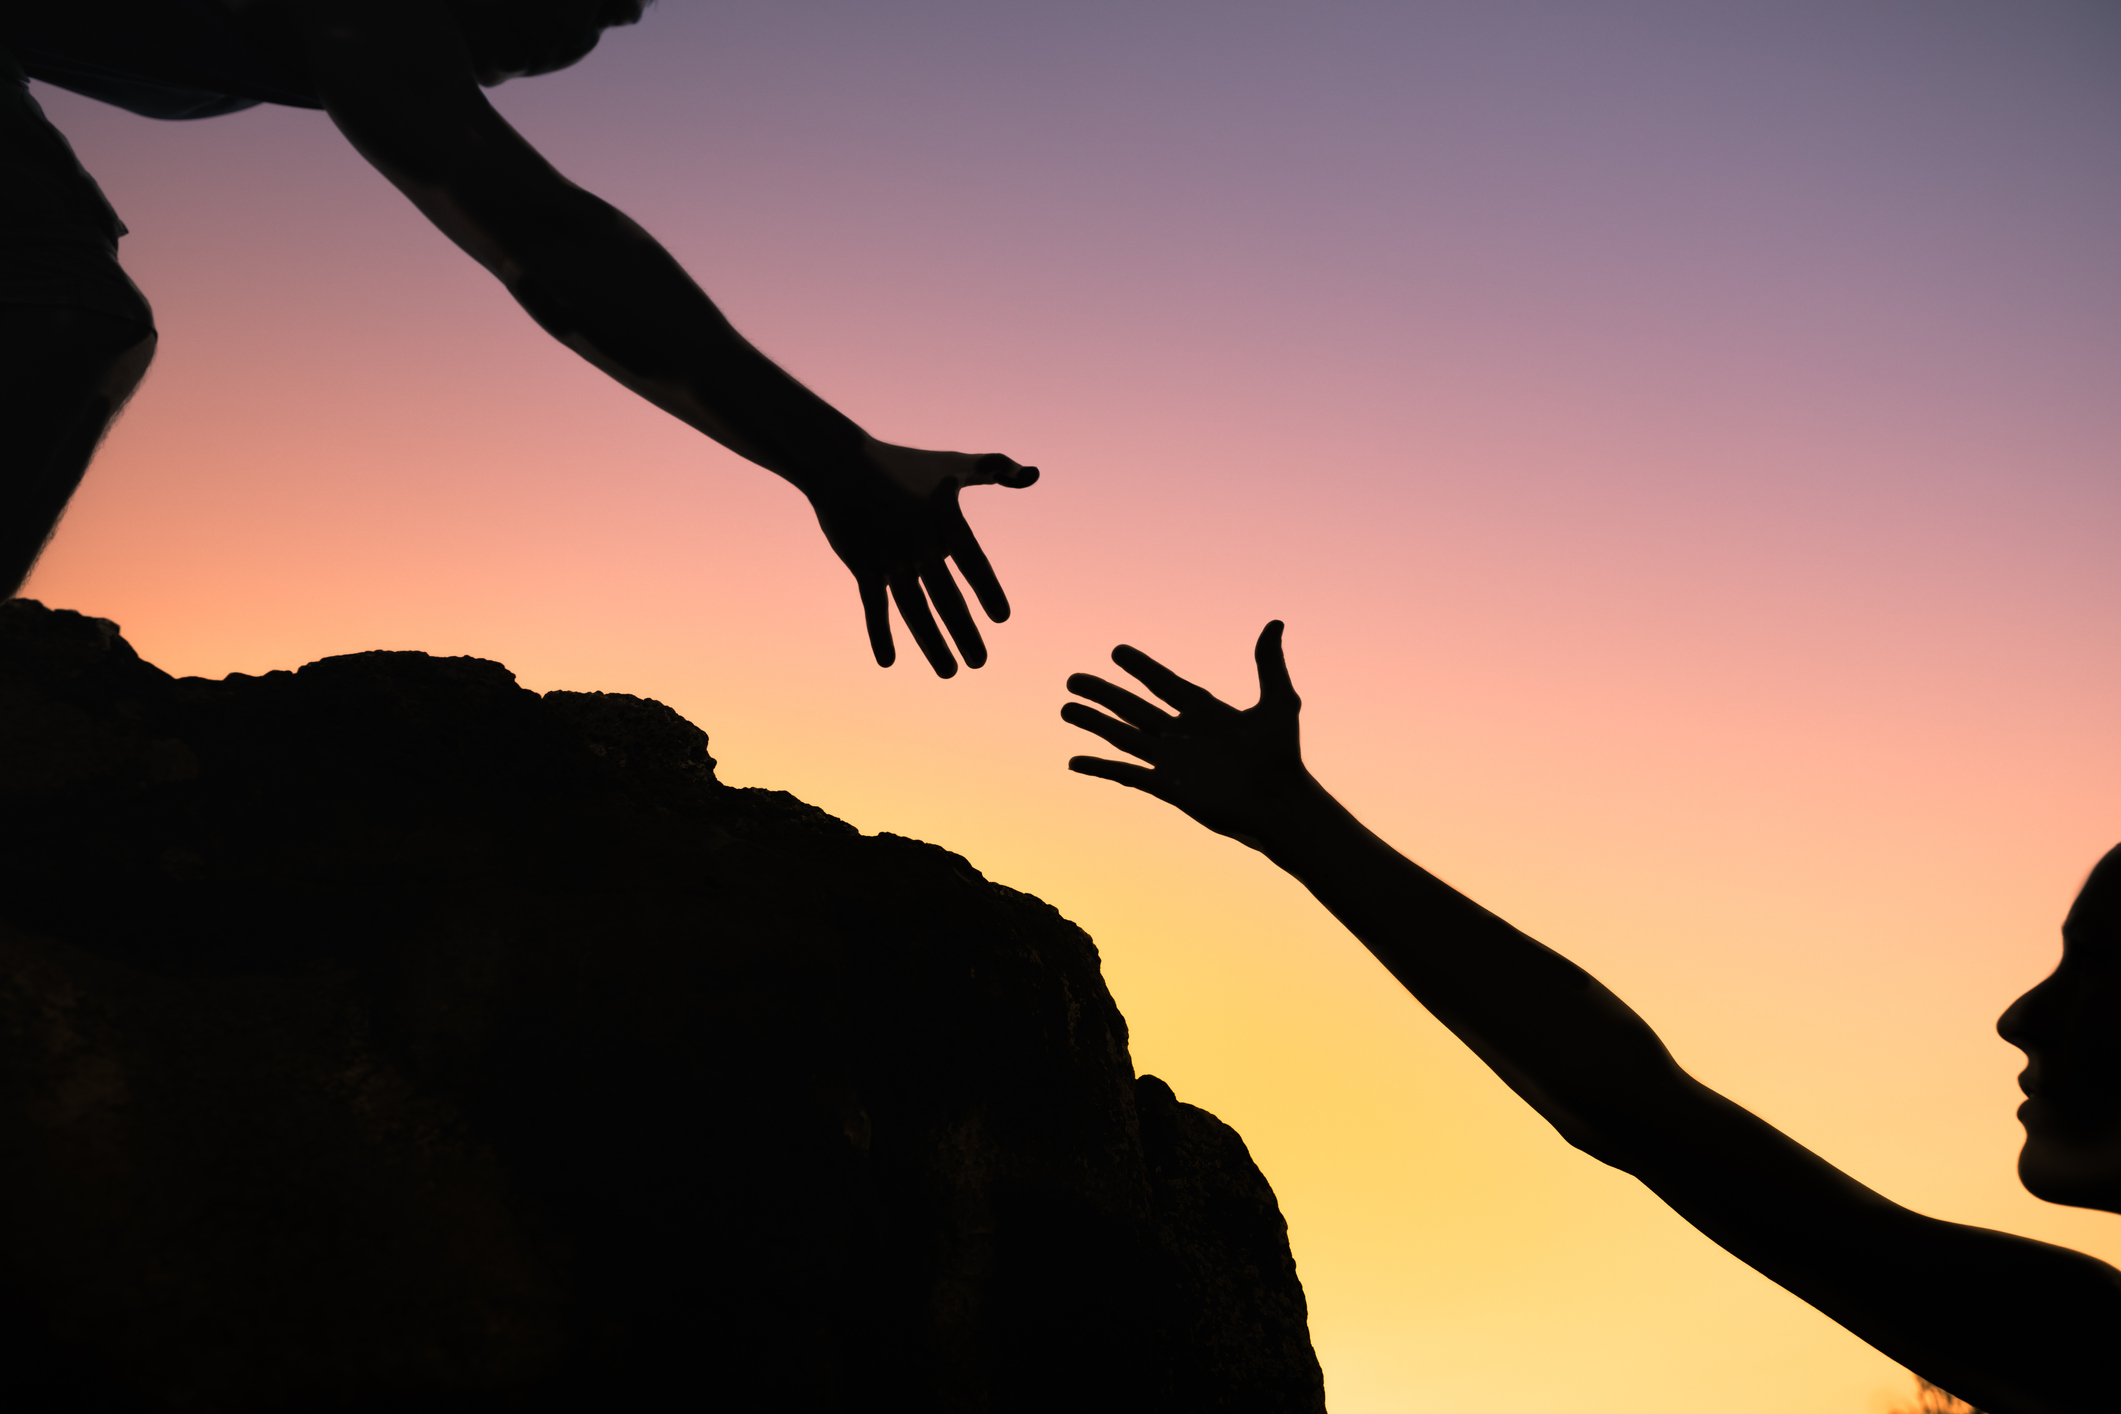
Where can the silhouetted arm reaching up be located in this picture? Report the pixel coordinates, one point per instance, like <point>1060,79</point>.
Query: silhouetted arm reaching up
<point>2015,1326</point>
<point>397,78</point>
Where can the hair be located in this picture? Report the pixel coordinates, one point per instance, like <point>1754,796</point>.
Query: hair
<point>512,37</point>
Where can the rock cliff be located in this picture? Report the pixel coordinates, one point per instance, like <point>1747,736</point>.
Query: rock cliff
<point>384,1036</point>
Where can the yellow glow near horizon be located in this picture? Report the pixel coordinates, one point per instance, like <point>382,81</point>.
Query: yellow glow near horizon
<point>1682,448</point>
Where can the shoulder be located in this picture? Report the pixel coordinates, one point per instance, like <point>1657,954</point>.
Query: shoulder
<point>503,39</point>
<point>163,58</point>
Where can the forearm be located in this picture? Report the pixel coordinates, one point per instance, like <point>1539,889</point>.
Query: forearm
<point>1569,1047</point>
<point>396,79</point>
<point>600,284</point>
<point>1972,1309</point>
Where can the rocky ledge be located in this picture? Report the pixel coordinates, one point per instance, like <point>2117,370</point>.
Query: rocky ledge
<point>384,1035</point>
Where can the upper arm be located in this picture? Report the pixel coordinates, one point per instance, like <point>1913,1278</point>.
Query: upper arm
<point>2011,1325</point>
<point>398,80</point>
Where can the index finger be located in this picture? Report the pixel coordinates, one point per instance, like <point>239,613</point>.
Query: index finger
<point>1172,688</point>
<point>1120,702</point>
<point>963,547</point>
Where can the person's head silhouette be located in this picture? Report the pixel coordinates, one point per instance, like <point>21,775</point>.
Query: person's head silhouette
<point>2070,1030</point>
<point>2011,1325</point>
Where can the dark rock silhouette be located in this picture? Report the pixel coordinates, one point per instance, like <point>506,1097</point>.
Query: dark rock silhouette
<point>384,1036</point>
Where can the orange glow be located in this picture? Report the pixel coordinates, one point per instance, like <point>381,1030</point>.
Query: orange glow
<point>1682,447</point>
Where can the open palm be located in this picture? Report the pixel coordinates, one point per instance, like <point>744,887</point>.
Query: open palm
<point>1233,770</point>
<point>897,532</point>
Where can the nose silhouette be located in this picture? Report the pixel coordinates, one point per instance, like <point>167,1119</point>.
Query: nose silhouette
<point>2016,1023</point>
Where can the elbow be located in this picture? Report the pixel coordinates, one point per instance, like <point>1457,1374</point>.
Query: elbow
<point>1600,1136</point>
<point>1628,1126</point>
<point>1594,1140</point>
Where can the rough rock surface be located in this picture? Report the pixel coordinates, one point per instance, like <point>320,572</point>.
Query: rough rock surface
<point>385,1036</point>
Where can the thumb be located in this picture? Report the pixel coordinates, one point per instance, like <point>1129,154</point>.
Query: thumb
<point>994,469</point>
<point>1274,684</point>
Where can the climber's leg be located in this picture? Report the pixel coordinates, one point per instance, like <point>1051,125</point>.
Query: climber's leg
<point>64,374</point>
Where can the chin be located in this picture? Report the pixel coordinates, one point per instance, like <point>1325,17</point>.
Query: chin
<point>2067,1174</point>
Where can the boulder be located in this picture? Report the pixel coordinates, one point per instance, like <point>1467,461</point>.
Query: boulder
<point>386,1036</point>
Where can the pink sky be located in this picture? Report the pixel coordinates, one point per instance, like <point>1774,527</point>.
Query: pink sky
<point>1682,440</point>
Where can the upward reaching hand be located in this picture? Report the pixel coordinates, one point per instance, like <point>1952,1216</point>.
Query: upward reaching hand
<point>2007,1323</point>
<point>1236,771</point>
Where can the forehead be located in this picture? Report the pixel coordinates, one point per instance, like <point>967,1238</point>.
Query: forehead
<point>2094,922</point>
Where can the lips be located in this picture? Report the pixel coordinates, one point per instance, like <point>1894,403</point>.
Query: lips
<point>2033,1077</point>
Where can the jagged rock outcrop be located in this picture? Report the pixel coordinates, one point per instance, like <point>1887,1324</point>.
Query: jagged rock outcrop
<point>385,1036</point>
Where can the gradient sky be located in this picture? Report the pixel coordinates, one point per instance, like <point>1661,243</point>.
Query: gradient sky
<point>1682,439</point>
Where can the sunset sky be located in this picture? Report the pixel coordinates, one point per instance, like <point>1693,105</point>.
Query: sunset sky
<point>1683,439</point>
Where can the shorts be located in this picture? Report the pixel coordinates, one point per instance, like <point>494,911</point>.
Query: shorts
<point>58,236</point>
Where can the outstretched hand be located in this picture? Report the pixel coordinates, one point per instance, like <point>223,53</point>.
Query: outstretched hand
<point>1237,772</point>
<point>896,533</point>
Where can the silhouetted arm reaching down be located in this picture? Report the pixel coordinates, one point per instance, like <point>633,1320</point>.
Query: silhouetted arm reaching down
<point>397,78</point>
<point>2012,1325</point>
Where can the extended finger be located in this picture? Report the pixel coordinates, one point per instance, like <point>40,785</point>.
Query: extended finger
<point>1136,711</point>
<point>943,593</point>
<point>1274,684</point>
<point>1125,772</point>
<point>1172,688</point>
<point>913,608</point>
<point>972,563</point>
<point>994,469</point>
<point>1117,733</point>
<point>876,613</point>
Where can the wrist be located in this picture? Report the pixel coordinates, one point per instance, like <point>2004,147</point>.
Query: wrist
<point>1294,813</point>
